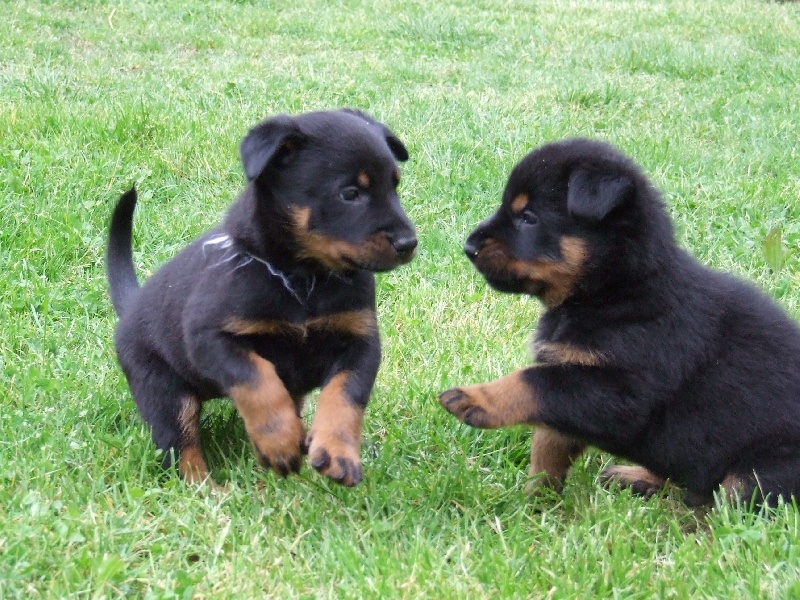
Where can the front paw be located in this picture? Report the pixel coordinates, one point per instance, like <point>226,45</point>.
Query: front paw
<point>466,406</point>
<point>335,457</point>
<point>279,444</point>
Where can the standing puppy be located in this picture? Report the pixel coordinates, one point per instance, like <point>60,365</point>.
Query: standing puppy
<point>275,302</point>
<point>642,351</point>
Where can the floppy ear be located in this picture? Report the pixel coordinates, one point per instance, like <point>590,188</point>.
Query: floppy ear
<point>395,145</point>
<point>273,141</point>
<point>593,195</point>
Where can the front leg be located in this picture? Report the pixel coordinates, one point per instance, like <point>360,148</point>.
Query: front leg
<point>269,412</point>
<point>596,404</point>
<point>334,440</point>
<point>510,400</point>
<point>270,418</point>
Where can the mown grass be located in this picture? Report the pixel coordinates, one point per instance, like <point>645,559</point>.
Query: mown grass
<point>97,95</point>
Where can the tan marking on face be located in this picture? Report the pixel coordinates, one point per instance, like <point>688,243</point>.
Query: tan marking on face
<point>359,323</point>
<point>567,354</point>
<point>364,180</point>
<point>503,402</point>
<point>326,250</point>
<point>552,455</point>
<point>551,280</point>
<point>396,176</point>
<point>642,480</point>
<point>335,435</point>
<point>270,417</point>
<point>519,203</point>
<point>373,253</point>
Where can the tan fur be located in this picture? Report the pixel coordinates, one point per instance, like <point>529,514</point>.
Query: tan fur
<point>191,465</point>
<point>557,277</point>
<point>336,433</point>
<point>733,486</point>
<point>269,415</point>
<point>642,480</point>
<point>552,455</point>
<point>238,326</point>
<point>337,254</point>
<point>499,403</point>
<point>359,323</point>
<point>363,179</point>
<point>567,354</point>
<point>519,203</point>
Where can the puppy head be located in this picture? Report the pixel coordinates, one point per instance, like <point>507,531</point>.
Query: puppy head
<point>330,179</point>
<point>575,215</point>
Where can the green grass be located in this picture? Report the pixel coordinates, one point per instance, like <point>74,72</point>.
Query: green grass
<point>96,95</point>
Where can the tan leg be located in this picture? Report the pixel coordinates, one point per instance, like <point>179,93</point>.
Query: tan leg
<point>270,418</point>
<point>552,455</point>
<point>191,465</point>
<point>499,403</point>
<point>334,440</point>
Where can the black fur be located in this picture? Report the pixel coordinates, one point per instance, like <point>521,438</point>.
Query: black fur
<point>174,339</point>
<point>697,376</point>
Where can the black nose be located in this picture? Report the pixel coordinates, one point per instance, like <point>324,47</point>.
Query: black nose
<point>405,245</point>
<point>472,246</point>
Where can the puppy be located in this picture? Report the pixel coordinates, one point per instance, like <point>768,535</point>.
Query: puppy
<point>642,352</point>
<point>276,301</point>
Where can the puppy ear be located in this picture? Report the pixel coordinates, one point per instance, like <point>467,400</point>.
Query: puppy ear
<point>395,145</point>
<point>273,141</point>
<point>593,195</point>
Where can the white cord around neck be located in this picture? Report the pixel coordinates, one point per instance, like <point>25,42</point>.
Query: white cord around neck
<point>226,242</point>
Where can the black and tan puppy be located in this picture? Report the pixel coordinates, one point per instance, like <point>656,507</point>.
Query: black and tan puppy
<point>642,351</point>
<point>276,301</point>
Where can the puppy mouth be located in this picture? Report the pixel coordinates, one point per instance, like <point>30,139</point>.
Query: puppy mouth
<point>511,285</point>
<point>548,279</point>
<point>379,262</point>
<point>376,254</point>
<point>378,251</point>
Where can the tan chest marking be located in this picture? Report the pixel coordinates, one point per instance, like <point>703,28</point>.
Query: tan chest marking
<point>567,354</point>
<point>358,323</point>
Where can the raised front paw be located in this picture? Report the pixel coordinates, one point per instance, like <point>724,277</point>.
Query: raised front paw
<point>467,406</point>
<point>279,444</point>
<point>335,457</point>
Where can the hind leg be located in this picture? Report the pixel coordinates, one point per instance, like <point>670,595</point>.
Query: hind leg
<point>168,405</point>
<point>640,480</point>
<point>552,455</point>
<point>192,466</point>
<point>778,477</point>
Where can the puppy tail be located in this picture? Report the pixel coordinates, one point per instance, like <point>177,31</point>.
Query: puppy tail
<point>119,254</point>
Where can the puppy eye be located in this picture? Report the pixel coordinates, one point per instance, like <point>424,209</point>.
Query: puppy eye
<point>349,194</point>
<point>529,218</point>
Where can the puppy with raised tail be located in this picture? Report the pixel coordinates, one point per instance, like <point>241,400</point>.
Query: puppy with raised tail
<point>275,302</point>
<point>689,373</point>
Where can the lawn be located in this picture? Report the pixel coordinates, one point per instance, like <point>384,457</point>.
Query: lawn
<point>96,95</point>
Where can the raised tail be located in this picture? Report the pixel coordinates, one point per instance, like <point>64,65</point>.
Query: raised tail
<point>119,254</point>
